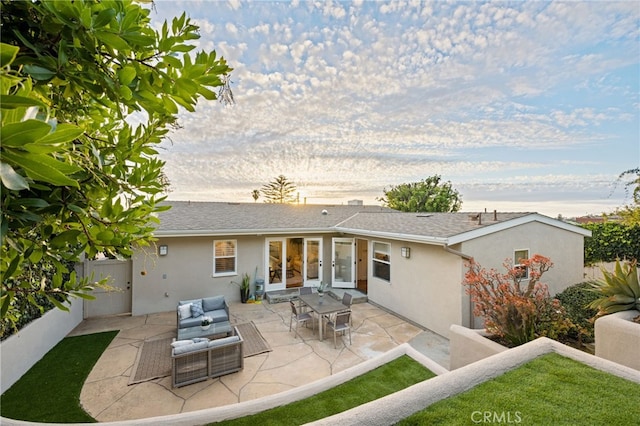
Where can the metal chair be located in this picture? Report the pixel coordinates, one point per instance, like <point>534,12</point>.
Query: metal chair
<point>301,305</point>
<point>302,317</point>
<point>346,301</point>
<point>340,324</point>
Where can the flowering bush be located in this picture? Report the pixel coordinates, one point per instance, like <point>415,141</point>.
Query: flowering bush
<point>513,310</point>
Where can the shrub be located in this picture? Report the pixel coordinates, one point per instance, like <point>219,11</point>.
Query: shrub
<point>618,290</point>
<point>575,300</point>
<point>513,311</point>
<point>611,241</point>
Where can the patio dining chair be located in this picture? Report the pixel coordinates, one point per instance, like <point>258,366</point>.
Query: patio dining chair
<point>346,301</point>
<point>340,325</point>
<point>302,317</point>
<point>301,305</point>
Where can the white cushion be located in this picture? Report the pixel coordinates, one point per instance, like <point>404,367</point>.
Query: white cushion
<point>185,311</point>
<point>181,343</point>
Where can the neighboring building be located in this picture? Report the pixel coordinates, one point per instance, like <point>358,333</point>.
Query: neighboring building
<point>410,263</point>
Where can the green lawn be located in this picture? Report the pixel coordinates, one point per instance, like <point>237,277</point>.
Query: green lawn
<point>50,390</point>
<point>550,390</point>
<point>389,378</point>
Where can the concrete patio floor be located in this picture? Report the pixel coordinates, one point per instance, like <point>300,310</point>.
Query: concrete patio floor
<point>293,361</point>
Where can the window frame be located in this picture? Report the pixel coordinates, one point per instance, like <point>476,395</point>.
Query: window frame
<point>378,263</point>
<point>520,266</point>
<point>235,258</point>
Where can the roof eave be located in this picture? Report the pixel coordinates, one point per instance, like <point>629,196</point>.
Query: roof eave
<point>395,236</point>
<point>175,233</point>
<point>500,226</point>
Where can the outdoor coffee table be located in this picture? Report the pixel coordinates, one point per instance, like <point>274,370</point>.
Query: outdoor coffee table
<point>322,305</point>
<point>197,331</point>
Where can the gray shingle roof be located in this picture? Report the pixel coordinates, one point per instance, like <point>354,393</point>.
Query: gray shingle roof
<point>211,218</point>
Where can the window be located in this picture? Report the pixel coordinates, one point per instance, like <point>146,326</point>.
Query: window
<point>522,270</point>
<point>382,261</point>
<point>224,257</point>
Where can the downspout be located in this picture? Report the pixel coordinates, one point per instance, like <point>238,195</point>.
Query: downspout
<point>465,257</point>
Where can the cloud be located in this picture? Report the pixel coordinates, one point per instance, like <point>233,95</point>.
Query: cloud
<point>349,97</point>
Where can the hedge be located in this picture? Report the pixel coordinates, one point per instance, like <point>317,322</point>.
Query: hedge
<point>611,241</point>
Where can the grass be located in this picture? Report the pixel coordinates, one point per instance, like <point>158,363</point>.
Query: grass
<point>50,390</point>
<point>550,390</point>
<point>386,379</point>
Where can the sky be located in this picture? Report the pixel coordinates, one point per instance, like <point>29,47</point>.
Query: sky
<point>522,106</point>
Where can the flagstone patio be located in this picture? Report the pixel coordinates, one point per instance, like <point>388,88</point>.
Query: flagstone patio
<point>292,362</point>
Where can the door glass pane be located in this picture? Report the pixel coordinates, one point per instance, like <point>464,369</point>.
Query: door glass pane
<point>313,259</point>
<point>343,261</point>
<point>275,262</point>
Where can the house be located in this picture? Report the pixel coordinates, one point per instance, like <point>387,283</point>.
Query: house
<point>410,263</point>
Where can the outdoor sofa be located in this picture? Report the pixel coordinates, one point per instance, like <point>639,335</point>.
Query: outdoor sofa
<point>199,359</point>
<point>191,312</point>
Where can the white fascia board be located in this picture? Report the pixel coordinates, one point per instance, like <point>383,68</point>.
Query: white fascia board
<point>236,232</point>
<point>534,217</point>
<point>395,236</point>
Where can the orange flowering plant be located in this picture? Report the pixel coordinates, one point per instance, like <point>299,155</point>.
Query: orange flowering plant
<point>515,305</point>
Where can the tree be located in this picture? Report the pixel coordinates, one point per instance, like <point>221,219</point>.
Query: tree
<point>631,213</point>
<point>428,195</point>
<point>279,190</point>
<point>255,194</point>
<point>88,91</point>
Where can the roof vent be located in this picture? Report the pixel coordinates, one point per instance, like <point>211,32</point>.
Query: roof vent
<point>325,212</point>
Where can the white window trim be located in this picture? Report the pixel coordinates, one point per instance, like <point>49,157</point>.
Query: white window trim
<point>374,260</point>
<point>235,258</point>
<point>526,277</point>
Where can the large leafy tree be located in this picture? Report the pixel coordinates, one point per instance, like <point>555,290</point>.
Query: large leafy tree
<point>88,89</point>
<point>428,195</point>
<point>280,190</point>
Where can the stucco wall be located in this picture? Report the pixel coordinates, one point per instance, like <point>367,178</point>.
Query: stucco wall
<point>564,248</point>
<point>186,272</point>
<point>426,288</point>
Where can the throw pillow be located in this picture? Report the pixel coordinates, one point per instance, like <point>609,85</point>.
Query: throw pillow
<point>199,339</point>
<point>196,309</point>
<point>185,311</point>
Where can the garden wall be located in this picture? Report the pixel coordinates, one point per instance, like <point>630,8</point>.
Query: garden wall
<point>618,338</point>
<point>22,350</point>
<point>467,346</point>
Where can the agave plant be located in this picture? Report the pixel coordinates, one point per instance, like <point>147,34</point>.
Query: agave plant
<point>619,289</point>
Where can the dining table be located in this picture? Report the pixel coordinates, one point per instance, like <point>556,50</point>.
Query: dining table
<point>322,305</point>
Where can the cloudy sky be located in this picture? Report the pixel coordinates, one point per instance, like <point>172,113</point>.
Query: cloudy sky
<point>523,106</point>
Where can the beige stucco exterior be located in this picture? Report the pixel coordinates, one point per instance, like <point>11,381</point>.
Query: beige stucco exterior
<point>425,288</point>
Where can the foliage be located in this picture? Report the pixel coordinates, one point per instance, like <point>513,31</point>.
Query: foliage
<point>255,194</point>
<point>50,391</point>
<point>392,377</point>
<point>550,390</point>
<point>280,190</point>
<point>244,284</point>
<point>611,241</point>
<point>575,300</point>
<point>428,195</point>
<point>513,311</point>
<point>618,290</point>
<point>88,90</point>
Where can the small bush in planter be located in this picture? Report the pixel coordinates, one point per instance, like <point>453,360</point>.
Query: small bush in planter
<point>575,300</point>
<point>618,291</point>
<point>516,306</point>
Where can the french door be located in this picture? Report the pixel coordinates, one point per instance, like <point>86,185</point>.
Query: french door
<point>293,262</point>
<point>343,265</point>
<point>313,262</point>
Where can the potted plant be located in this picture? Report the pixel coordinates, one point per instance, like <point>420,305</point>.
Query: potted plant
<point>321,288</point>
<point>206,323</point>
<point>244,287</point>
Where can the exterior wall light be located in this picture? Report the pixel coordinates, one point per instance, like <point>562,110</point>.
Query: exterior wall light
<point>405,252</point>
<point>163,250</point>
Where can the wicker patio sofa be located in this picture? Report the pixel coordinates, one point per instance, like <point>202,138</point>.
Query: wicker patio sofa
<point>197,361</point>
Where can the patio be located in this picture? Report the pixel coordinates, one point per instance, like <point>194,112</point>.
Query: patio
<point>292,362</point>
